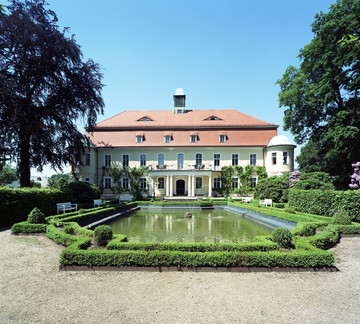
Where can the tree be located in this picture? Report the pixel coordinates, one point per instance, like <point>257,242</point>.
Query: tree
<point>7,175</point>
<point>53,181</point>
<point>134,175</point>
<point>321,96</point>
<point>44,88</point>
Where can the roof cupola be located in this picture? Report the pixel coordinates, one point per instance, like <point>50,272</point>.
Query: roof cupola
<point>179,101</point>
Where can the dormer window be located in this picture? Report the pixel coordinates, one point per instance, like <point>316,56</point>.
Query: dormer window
<point>167,138</point>
<point>193,138</point>
<point>139,138</point>
<point>222,138</point>
<point>145,118</point>
<point>213,118</point>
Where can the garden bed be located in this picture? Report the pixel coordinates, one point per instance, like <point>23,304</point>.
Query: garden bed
<point>261,255</point>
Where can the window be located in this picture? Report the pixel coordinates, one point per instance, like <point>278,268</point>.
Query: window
<point>139,138</point>
<point>161,184</point>
<point>125,183</point>
<point>273,158</point>
<point>145,118</point>
<point>213,118</point>
<point>142,183</point>
<point>253,159</point>
<point>125,160</point>
<point>216,161</point>
<point>107,183</point>
<point>253,182</point>
<point>193,138</point>
<point>217,183</point>
<point>222,138</point>
<point>142,160</point>
<point>161,159</point>
<point>167,138</point>
<point>198,183</point>
<point>107,160</point>
<point>235,159</point>
<point>87,159</point>
<point>285,158</point>
<point>235,183</point>
<point>87,179</point>
<point>180,161</point>
<point>198,159</point>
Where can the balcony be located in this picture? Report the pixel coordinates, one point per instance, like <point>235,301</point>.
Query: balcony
<point>189,167</point>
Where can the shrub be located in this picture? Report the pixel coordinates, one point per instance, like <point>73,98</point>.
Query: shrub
<point>282,236</point>
<point>36,217</point>
<point>82,211</point>
<point>103,234</point>
<point>342,218</point>
<point>275,188</point>
<point>82,192</point>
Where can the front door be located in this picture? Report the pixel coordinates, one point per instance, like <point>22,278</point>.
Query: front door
<point>180,187</point>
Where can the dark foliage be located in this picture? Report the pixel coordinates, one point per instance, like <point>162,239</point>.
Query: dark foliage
<point>44,88</point>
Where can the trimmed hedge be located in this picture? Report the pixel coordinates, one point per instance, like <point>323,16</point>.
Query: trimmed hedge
<point>193,247</point>
<point>16,204</point>
<point>318,258</point>
<point>322,202</point>
<point>27,228</point>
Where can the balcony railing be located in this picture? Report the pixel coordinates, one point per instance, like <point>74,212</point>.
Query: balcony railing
<point>175,167</point>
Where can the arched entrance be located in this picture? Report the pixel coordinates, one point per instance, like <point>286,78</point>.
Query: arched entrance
<point>180,187</point>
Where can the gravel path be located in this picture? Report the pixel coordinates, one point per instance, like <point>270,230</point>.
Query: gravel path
<point>33,290</point>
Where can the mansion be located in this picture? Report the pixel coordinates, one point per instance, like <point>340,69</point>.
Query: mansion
<point>184,150</point>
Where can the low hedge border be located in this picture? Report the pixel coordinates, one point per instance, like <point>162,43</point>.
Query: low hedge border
<point>306,259</point>
<point>193,247</point>
<point>27,228</point>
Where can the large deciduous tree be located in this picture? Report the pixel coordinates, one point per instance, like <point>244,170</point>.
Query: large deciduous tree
<point>45,87</point>
<point>321,96</point>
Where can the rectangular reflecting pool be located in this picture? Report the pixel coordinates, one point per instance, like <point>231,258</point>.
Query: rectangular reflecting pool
<point>212,226</point>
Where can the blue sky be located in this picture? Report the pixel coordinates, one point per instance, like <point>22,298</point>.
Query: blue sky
<point>224,54</point>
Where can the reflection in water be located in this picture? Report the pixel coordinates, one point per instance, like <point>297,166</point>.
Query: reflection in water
<point>217,226</point>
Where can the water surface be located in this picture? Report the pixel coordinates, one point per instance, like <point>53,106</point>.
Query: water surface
<point>213,226</point>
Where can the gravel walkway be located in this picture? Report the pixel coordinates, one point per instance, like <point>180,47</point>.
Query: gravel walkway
<point>33,290</point>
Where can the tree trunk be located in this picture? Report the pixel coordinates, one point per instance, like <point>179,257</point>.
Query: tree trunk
<point>24,165</point>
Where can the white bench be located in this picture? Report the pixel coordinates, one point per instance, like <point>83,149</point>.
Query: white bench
<point>125,198</point>
<point>65,207</point>
<point>246,199</point>
<point>266,202</point>
<point>99,203</point>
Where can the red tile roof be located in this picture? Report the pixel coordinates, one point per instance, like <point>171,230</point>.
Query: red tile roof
<point>193,118</point>
<point>240,129</point>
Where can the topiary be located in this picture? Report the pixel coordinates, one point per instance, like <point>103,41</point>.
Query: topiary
<point>103,234</point>
<point>36,217</point>
<point>282,236</point>
<point>342,218</point>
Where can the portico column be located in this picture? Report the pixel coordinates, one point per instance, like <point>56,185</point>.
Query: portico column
<point>210,186</point>
<point>193,185</point>
<point>167,186</point>
<point>171,186</point>
<point>150,184</point>
<point>189,185</point>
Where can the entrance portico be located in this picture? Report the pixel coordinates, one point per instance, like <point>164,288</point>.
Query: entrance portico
<point>180,183</point>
